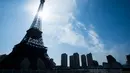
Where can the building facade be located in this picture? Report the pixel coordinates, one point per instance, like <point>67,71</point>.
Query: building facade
<point>89,60</point>
<point>64,60</point>
<point>76,60</point>
<point>83,61</point>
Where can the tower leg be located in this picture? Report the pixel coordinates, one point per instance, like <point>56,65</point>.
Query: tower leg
<point>33,63</point>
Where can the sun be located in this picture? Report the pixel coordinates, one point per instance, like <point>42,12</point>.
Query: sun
<point>44,14</point>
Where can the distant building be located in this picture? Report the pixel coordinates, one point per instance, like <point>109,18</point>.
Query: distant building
<point>71,61</point>
<point>110,59</point>
<point>64,60</point>
<point>76,60</point>
<point>83,61</point>
<point>112,62</point>
<point>89,59</point>
<point>128,59</point>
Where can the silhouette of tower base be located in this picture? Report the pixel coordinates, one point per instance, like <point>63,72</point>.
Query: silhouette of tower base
<point>21,51</point>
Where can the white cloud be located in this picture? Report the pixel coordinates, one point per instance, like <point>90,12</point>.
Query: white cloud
<point>94,40</point>
<point>71,37</point>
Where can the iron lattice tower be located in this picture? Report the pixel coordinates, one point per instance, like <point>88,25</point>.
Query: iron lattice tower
<point>31,47</point>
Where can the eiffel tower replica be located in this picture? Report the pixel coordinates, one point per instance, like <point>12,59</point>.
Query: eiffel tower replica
<point>31,47</point>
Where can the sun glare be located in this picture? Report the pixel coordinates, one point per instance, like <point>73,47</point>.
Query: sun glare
<point>40,14</point>
<point>44,15</point>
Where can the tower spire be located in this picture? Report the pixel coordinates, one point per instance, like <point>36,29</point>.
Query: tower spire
<point>37,22</point>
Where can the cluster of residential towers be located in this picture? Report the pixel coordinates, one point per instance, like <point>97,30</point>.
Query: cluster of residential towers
<point>88,62</point>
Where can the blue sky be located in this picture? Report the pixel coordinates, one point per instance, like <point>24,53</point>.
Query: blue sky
<point>98,26</point>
